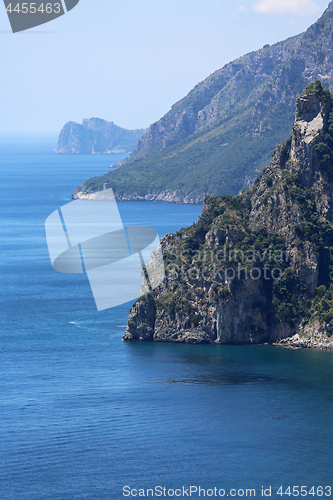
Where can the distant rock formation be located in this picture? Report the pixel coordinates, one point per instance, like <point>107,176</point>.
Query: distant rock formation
<point>258,267</point>
<point>97,136</point>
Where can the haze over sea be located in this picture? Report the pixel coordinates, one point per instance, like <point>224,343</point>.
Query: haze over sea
<point>83,414</point>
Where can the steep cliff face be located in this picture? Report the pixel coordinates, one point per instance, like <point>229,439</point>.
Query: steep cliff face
<point>258,267</point>
<point>247,106</point>
<point>96,136</point>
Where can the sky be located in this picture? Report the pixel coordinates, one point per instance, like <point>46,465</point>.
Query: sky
<point>128,61</point>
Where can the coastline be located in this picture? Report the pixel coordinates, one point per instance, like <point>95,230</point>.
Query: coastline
<point>164,196</point>
<point>296,342</point>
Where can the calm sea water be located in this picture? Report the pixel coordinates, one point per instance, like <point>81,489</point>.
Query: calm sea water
<point>83,414</point>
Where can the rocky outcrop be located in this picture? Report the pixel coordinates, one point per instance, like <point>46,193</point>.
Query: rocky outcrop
<point>313,336</point>
<point>96,136</point>
<point>247,106</point>
<point>258,267</point>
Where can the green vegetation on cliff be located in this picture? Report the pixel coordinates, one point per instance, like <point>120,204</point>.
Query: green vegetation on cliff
<point>259,266</point>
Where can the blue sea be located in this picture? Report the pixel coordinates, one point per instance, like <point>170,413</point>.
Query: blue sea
<point>83,414</point>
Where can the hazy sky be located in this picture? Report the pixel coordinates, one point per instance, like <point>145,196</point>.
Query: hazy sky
<point>129,61</point>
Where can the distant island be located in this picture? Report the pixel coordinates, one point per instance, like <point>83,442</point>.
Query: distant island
<point>218,138</point>
<point>97,136</point>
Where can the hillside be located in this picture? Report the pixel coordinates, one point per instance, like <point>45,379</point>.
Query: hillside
<point>258,267</point>
<point>96,136</point>
<point>222,134</point>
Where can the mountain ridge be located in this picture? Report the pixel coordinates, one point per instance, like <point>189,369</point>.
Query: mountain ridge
<point>245,107</point>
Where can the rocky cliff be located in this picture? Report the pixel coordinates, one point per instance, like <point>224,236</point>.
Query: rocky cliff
<point>257,267</point>
<point>97,136</point>
<point>247,106</point>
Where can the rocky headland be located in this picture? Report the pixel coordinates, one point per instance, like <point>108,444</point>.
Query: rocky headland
<point>97,136</point>
<point>258,267</point>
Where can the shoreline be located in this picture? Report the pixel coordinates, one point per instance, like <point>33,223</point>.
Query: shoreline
<point>294,343</point>
<point>164,196</point>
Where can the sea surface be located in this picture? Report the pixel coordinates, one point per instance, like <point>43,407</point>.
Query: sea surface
<point>83,414</point>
